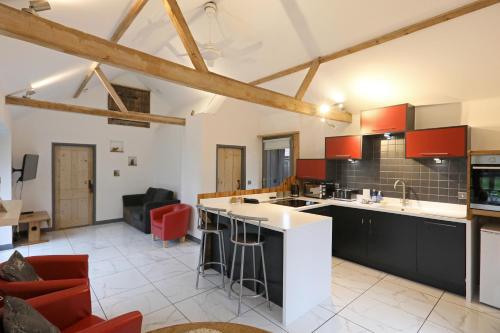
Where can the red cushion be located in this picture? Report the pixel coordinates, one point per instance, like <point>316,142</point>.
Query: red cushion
<point>83,324</point>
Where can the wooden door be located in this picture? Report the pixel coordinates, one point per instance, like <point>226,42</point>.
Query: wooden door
<point>74,197</point>
<point>229,169</point>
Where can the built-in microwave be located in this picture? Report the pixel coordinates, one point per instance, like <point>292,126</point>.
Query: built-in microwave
<point>485,182</point>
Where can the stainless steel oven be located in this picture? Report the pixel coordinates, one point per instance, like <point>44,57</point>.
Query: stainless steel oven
<point>485,182</point>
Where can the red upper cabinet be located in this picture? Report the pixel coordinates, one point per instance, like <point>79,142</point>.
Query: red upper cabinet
<point>437,142</point>
<point>343,147</point>
<point>311,169</point>
<point>397,118</point>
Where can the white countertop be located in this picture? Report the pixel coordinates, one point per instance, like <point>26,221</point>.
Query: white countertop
<point>282,218</point>
<point>425,209</point>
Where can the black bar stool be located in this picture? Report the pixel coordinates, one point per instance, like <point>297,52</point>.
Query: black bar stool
<point>241,238</point>
<point>206,226</point>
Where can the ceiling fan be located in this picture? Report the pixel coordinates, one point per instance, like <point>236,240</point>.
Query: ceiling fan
<point>211,50</point>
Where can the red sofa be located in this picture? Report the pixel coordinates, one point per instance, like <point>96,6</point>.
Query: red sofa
<point>71,311</point>
<point>170,222</point>
<point>58,273</point>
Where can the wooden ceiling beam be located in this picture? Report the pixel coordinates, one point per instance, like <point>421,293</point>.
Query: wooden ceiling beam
<point>109,88</point>
<point>424,24</point>
<point>120,30</point>
<point>131,115</point>
<point>180,24</point>
<point>37,30</point>
<point>307,80</point>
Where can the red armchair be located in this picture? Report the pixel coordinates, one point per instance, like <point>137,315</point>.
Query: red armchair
<point>71,311</point>
<point>58,273</point>
<point>170,222</point>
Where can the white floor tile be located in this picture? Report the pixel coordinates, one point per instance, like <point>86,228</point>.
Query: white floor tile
<point>340,297</point>
<point>190,259</point>
<point>254,319</point>
<point>353,279</point>
<point>430,327</point>
<point>336,261</point>
<point>460,300</point>
<point>168,316</point>
<point>180,287</point>
<point>462,319</point>
<point>5,254</point>
<point>414,285</point>
<point>363,269</point>
<point>117,283</point>
<point>97,310</point>
<point>148,257</point>
<point>145,299</point>
<point>380,317</point>
<point>163,269</point>
<point>339,324</point>
<point>409,300</point>
<point>210,306</point>
<point>108,267</point>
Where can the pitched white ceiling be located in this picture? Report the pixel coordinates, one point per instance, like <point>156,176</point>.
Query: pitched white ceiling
<point>454,61</point>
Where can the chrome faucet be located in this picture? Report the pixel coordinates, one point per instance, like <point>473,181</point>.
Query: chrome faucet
<point>404,201</point>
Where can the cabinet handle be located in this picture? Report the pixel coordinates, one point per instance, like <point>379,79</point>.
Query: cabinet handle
<point>384,129</point>
<point>442,224</point>
<point>434,154</point>
<point>362,221</point>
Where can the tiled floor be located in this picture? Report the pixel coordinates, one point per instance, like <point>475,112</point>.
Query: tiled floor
<point>128,271</point>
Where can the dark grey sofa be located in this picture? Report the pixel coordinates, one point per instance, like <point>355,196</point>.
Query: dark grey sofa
<point>136,207</point>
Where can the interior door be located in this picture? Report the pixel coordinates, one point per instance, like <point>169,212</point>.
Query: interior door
<point>74,190</point>
<point>229,169</point>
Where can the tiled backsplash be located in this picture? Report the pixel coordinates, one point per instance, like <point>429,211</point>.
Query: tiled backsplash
<point>384,162</point>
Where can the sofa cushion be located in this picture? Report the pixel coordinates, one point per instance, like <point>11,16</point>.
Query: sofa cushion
<point>18,269</point>
<point>150,195</point>
<point>21,317</point>
<point>162,195</point>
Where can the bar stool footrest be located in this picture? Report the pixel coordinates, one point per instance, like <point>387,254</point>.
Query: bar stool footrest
<point>249,280</point>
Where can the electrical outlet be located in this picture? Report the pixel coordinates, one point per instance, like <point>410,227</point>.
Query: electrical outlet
<point>462,195</point>
<point>249,182</point>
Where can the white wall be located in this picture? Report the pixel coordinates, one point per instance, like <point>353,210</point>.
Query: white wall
<point>34,131</point>
<point>5,167</point>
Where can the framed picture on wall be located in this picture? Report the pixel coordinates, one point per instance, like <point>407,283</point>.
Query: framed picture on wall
<point>116,146</point>
<point>132,161</point>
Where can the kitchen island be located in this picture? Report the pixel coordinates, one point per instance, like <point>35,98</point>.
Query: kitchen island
<point>297,252</point>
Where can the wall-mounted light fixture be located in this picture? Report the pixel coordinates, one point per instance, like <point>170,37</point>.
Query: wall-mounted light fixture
<point>438,161</point>
<point>29,92</point>
<point>388,136</point>
<point>36,6</point>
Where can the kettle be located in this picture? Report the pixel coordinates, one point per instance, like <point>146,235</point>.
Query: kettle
<point>294,190</point>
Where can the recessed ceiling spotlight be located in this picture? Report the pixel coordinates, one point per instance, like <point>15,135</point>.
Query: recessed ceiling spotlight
<point>324,108</point>
<point>36,6</point>
<point>29,92</point>
<point>438,161</point>
<point>388,136</point>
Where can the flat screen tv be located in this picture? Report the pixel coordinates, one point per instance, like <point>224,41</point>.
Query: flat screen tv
<point>30,166</point>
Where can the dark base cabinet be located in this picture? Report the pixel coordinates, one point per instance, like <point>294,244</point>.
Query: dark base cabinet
<point>424,250</point>
<point>441,254</point>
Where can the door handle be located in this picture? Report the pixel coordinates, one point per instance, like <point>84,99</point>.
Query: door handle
<point>238,187</point>
<point>91,186</point>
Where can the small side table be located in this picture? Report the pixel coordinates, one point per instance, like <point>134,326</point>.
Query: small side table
<point>34,220</point>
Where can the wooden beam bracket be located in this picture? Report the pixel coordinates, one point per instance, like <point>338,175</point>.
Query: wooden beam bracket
<point>109,88</point>
<point>120,30</point>
<point>180,24</point>
<point>307,80</point>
